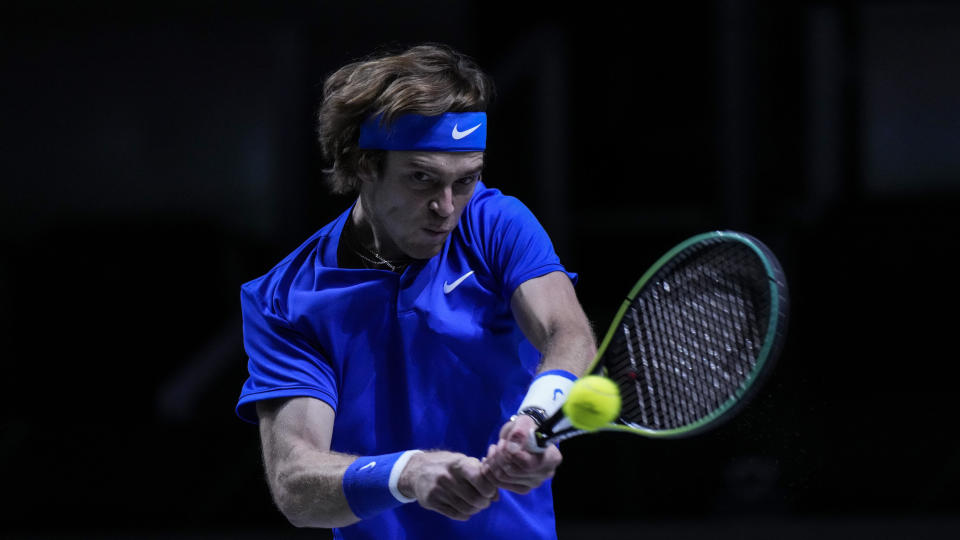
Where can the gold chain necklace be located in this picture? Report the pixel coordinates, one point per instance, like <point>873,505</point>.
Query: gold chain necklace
<point>364,253</point>
<point>394,267</point>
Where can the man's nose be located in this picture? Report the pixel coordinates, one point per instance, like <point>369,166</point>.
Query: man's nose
<point>442,203</point>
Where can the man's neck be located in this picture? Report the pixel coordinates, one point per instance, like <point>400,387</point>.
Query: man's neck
<point>369,240</point>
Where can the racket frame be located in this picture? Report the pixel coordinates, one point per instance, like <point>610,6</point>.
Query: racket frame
<point>773,339</point>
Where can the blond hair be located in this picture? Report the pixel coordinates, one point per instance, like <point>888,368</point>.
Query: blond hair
<point>429,79</point>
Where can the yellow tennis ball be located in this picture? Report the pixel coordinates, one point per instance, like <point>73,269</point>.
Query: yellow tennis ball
<point>593,402</point>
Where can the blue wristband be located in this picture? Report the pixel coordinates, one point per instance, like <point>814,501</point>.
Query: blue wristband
<point>370,483</point>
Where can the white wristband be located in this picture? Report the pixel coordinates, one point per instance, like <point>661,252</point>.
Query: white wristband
<point>548,391</point>
<point>398,466</point>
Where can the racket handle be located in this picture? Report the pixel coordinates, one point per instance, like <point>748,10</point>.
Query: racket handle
<point>540,437</point>
<point>532,446</point>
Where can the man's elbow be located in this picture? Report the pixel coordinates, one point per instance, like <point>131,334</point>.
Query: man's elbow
<point>298,521</point>
<point>297,516</point>
<point>305,517</point>
<point>304,521</point>
<point>305,512</point>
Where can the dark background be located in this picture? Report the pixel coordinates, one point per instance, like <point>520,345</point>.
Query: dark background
<point>154,158</point>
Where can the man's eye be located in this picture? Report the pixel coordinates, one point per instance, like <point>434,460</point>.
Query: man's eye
<point>467,180</point>
<point>421,178</point>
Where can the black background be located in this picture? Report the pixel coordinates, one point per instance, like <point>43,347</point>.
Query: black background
<point>154,158</point>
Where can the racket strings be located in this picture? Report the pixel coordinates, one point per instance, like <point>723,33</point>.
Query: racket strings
<point>690,341</point>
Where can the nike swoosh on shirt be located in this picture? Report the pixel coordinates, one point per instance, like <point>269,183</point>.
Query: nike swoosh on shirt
<point>448,287</point>
<point>461,134</point>
<point>370,465</point>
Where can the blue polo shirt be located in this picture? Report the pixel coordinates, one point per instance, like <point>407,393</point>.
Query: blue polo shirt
<point>431,358</point>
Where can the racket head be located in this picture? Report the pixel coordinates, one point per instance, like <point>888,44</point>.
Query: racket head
<point>697,335</point>
<point>717,303</point>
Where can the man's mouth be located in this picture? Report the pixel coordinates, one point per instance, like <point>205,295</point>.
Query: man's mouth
<point>437,232</point>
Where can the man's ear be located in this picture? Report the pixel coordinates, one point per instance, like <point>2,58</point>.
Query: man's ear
<point>365,174</point>
<point>367,169</point>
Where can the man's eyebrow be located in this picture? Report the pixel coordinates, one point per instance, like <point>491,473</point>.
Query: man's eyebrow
<point>423,164</point>
<point>473,170</point>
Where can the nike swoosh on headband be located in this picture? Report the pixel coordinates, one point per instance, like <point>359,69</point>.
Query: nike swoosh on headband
<point>461,134</point>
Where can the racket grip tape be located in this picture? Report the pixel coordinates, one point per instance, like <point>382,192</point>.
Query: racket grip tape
<point>538,440</point>
<point>533,443</point>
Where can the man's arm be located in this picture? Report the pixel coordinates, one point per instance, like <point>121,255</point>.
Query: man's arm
<point>548,312</point>
<point>306,477</point>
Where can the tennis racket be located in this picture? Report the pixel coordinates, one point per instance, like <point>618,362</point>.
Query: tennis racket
<point>693,340</point>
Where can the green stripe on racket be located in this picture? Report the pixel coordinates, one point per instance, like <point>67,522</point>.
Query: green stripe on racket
<point>692,342</point>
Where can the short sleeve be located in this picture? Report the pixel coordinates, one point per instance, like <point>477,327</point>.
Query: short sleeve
<point>282,362</point>
<point>515,243</point>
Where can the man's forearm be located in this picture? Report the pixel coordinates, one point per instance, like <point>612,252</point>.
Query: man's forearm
<point>308,489</point>
<point>310,492</point>
<point>304,475</point>
<point>570,348</point>
<point>312,484</point>
<point>548,313</point>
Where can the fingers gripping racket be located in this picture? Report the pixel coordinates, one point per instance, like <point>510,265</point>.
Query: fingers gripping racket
<point>693,340</point>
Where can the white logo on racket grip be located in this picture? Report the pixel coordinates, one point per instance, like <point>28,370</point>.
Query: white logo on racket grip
<point>461,134</point>
<point>449,287</point>
<point>370,465</point>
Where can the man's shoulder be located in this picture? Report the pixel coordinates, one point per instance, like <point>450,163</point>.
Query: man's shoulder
<point>315,253</point>
<point>487,198</point>
<point>491,211</point>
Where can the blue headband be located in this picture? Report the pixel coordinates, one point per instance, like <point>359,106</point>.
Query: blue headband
<point>449,132</point>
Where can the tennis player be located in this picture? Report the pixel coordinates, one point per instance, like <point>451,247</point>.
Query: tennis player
<point>401,356</point>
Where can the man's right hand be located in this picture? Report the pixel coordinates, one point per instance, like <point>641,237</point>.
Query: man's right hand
<point>447,482</point>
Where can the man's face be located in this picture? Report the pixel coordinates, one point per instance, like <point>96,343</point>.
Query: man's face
<point>417,202</point>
